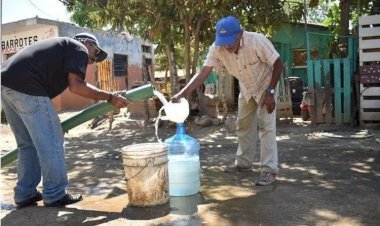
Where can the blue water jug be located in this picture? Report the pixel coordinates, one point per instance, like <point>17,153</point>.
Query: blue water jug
<point>184,165</point>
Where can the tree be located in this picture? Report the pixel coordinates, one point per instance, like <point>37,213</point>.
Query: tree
<point>344,14</point>
<point>176,24</point>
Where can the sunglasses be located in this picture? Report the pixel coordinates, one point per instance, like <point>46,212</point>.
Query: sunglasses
<point>97,54</point>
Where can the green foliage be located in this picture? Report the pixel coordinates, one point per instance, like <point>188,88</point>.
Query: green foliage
<point>333,19</point>
<point>318,13</point>
<point>87,16</point>
<point>356,9</point>
<point>183,29</point>
<point>155,19</point>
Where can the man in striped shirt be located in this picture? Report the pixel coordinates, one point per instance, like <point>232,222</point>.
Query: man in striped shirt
<point>253,60</point>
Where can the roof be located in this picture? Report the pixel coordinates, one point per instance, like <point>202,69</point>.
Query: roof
<point>34,22</point>
<point>319,26</point>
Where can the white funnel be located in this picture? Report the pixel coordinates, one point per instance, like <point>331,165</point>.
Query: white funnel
<point>175,112</point>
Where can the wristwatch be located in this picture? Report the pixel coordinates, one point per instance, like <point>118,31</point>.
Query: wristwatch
<point>270,90</point>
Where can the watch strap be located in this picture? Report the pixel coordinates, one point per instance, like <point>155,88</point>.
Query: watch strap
<point>270,90</point>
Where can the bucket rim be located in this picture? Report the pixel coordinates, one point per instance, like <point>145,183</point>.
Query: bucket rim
<point>144,149</point>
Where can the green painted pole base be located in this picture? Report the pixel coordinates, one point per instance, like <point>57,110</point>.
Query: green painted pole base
<point>136,94</point>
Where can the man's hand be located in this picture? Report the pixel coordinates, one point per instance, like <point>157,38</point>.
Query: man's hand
<point>117,100</point>
<point>194,83</point>
<point>269,101</point>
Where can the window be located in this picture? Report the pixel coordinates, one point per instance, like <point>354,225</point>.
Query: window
<point>146,49</point>
<point>120,65</point>
<point>148,61</point>
<point>147,71</point>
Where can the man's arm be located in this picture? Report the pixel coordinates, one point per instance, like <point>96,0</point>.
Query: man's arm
<point>276,74</point>
<point>268,99</point>
<point>84,89</point>
<point>195,82</point>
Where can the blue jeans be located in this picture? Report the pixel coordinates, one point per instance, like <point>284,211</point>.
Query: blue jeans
<point>39,137</point>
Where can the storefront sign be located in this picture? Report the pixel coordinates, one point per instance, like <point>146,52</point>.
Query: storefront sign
<point>16,41</point>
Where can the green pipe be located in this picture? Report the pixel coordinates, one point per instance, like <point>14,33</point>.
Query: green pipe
<point>136,94</point>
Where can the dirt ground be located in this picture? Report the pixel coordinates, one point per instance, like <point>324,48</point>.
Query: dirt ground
<point>328,176</point>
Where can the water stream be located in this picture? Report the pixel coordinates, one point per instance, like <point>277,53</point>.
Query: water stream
<point>163,100</point>
<point>157,123</point>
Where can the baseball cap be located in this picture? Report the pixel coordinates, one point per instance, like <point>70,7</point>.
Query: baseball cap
<point>227,30</point>
<point>83,36</point>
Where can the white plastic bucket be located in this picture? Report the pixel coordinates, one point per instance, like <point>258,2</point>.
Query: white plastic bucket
<point>146,170</point>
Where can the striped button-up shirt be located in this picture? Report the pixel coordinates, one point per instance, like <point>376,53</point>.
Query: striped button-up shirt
<point>252,66</point>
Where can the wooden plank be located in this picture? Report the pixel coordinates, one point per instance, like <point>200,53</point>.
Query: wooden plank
<point>327,98</point>
<point>317,73</point>
<point>370,116</point>
<point>367,104</point>
<point>337,92</point>
<point>370,70</point>
<point>352,53</point>
<point>318,92</point>
<point>369,31</point>
<point>326,70</point>
<point>310,73</point>
<point>347,90</point>
<point>281,85</point>
<point>371,106</point>
<point>284,110</point>
<point>313,111</point>
<point>284,104</point>
<point>311,90</point>
<point>328,91</point>
<point>369,44</point>
<point>369,56</point>
<point>369,91</point>
<point>319,104</point>
<point>328,104</point>
<point>369,79</point>
<point>367,20</point>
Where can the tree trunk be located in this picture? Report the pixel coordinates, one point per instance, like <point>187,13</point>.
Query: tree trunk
<point>345,17</point>
<point>376,7</point>
<point>196,32</point>
<point>172,68</point>
<point>187,49</point>
<point>344,26</point>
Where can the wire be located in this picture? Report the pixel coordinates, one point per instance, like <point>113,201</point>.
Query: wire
<point>30,1</point>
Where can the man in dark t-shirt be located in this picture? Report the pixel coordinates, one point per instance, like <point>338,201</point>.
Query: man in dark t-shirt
<point>29,80</point>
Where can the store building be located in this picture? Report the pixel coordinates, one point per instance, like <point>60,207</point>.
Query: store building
<point>128,59</point>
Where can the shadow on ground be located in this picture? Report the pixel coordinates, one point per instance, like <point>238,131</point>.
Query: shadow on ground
<point>323,180</point>
<point>57,216</point>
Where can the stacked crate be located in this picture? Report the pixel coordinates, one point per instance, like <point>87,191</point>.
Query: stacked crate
<point>284,101</point>
<point>369,77</point>
<point>137,109</point>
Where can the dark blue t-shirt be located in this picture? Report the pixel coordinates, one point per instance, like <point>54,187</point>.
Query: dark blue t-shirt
<point>41,69</point>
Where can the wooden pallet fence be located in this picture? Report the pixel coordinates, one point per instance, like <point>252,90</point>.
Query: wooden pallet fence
<point>284,101</point>
<point>137,109</point>
<point>369,40</point>
<point>369,75</point>
<point>330,85</point>
<point>369,80</point>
